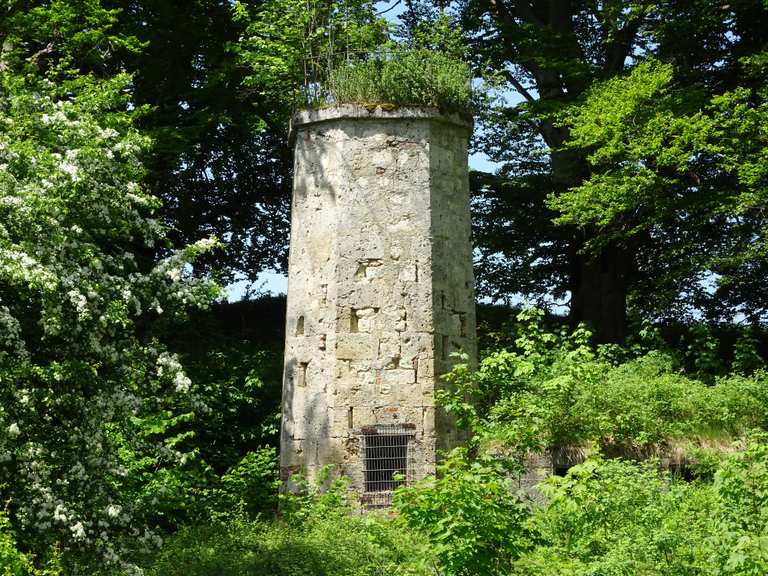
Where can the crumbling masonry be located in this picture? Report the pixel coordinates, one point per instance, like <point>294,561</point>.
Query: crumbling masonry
<point>380,292</point>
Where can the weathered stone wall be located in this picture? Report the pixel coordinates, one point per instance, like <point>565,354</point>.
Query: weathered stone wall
<point>380,284</point>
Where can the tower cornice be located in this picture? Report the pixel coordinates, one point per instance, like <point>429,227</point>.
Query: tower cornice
<point>311,116</point>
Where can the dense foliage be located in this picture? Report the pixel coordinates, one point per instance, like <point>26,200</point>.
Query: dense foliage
<point>79,379</point>
<point>603,517</point>
<point>15,563</point>
<point>293,46</point>
<point>219,162</point>
<point>143,157</point>
<point>617,172</point>
<point>697,510</point>
<point>557,390</point>
<point>619,512</point>
<point>220,81</point>
<point>653,148</point>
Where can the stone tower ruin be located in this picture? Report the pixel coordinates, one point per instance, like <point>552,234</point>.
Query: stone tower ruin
<point>380,292</point>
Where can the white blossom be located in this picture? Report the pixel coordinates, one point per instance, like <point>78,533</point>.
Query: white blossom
<point>182,382</point>
<point>78,299</point>
<point>113,510</point>
<point>59,514</point>
<point>69,255</point>
<point>78,531</point>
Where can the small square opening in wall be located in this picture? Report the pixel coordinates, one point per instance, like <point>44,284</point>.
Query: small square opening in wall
<point>387,460</point>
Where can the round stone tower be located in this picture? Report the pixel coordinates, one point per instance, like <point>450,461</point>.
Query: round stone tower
<point>380,292</point>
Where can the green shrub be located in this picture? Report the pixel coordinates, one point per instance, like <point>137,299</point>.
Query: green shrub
<point>341,546</point>
<point>470,514</point>
<point>616,518</point>
<point>233,355</point>
<point>740,541</point>
<point>556,389</point>
<point>404,77</point>
<point>250,487</point>
<point>603,518</point>
<point>619,518</point>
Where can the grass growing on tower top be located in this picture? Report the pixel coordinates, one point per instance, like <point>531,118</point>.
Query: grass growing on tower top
<point>404,77</point>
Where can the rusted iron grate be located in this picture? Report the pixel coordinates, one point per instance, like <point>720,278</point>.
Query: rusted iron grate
<point>386,461</point>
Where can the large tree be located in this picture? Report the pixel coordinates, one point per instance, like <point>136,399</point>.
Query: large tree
<point>220,160</point>
<point>551,53</point>
<point>688,173</point>
<point>221,80</point>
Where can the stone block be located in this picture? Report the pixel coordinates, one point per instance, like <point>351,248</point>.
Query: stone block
<point>398,376</point>
<point>363,416</point>
<point>366,319</point>
<point>357,346</point>
<point>416,345</point>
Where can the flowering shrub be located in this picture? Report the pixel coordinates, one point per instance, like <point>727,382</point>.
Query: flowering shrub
<point>87,396</point>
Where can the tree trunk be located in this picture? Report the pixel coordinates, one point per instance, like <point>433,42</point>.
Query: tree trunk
<point>598,281</point>
<point>599,291</point>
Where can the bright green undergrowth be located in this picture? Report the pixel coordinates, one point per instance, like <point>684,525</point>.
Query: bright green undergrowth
<point>13,562</point>
<point>622,511</point>
<point>605,517</point>
<point>316,534</point>
<point>554,390</point>
<point>404,77</point>
<point>340,546</point>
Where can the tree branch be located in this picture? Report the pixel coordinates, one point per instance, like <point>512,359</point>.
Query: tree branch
<point>518,86</point>
<point>618,50</point>
<point>42,52</point>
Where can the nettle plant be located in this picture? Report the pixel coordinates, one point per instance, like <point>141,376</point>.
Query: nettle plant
<point>81,377</point>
